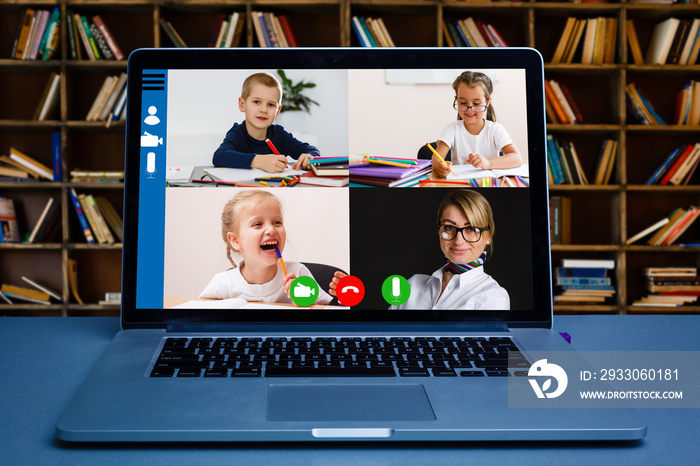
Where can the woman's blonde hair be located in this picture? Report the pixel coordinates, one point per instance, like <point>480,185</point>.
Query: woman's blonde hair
<point>473,79</point>
<point>475,207</point>
<point>229,216</point>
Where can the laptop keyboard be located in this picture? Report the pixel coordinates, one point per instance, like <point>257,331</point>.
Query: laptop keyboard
<point>339,357</point>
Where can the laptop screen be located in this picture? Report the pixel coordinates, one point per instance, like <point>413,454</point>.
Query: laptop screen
<point>220,228</point>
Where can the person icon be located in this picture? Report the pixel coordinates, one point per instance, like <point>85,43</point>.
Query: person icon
<point>152,119</point>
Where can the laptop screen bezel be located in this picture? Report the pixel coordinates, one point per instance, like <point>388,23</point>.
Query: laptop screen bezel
<point>344,58</point>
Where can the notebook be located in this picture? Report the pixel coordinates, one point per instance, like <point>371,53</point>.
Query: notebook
<point>212,349</point>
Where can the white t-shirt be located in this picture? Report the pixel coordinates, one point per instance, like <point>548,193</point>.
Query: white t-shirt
<point>488,143</point>
<point>231,284</point>
<point>472,290</point>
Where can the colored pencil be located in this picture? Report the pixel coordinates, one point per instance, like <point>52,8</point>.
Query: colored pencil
<point>272,146</point>
<point>279,255</point>
<point>439,157</point>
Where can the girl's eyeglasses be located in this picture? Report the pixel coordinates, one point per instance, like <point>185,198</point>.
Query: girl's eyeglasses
<point>463,108</point>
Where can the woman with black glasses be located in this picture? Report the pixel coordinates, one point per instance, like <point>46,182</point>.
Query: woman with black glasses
<point>465,229</point>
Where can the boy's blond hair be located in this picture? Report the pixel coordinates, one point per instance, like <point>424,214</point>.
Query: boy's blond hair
<point>266,79</point>
<point>229,215</point>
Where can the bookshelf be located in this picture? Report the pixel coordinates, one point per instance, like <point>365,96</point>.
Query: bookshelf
<point>603,216</point>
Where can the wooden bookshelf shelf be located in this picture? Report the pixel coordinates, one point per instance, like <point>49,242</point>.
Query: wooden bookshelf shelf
<point>604,216</point>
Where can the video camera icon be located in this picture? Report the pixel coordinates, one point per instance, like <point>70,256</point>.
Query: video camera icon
<point>149,140</point>
<point>304,291</point>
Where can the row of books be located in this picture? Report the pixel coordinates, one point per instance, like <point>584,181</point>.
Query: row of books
<point>670,286</point>
<point>640,107</point>
<point>38,35</point>
<point>667,230</point>
<point>273,30</point>
<point>583,281</point>
<point>679,166</point>
<point>560,105</point>
<point>110,103</point>
<point>470,33</point>
<point>371,32</point>
<point>98,218</point>
<point>587,40</point>
<point>19,166</point>
<point>564,165</point>
<point>90,38</point>
<point>688,104</point>
<point>673,42</point>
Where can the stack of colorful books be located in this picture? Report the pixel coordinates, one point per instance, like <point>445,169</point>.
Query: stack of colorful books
<point>389,172</point>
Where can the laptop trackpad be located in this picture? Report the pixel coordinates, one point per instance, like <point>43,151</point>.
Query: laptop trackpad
<point>407,402</point>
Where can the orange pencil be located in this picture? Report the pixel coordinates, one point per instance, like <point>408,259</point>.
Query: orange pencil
<point>284,269</point>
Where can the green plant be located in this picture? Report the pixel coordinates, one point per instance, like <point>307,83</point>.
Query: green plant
<point>293,98</point>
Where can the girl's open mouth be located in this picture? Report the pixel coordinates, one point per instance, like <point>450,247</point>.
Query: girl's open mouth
<point>269,245</point>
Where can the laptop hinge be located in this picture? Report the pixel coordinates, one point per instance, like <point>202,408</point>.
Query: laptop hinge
<point>393,328</point>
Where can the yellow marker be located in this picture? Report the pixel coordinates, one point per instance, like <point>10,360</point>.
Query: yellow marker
<point>263,182</point>
<point>439,158</point>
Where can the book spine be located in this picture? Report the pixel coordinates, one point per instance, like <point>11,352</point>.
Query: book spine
<point>72,44</point>
<point>90,38</point>
<point>101,43</point>
<point>81,217</point>
<point>56,155</point>
<point>109,38</point>
<point>580,281</point>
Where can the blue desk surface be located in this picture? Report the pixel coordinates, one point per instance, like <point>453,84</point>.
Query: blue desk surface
<point>44,360</point>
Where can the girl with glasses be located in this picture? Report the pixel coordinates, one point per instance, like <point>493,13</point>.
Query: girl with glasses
<point>475,138</point>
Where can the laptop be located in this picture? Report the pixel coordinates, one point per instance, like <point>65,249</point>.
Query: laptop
<point>385,357</point>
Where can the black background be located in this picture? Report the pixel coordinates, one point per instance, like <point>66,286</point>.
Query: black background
<point>395,234</point>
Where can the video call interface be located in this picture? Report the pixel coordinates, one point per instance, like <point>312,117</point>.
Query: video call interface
<point>460,243</point>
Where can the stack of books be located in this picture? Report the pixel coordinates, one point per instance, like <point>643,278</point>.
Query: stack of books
<point>678,167</point>
<point>20,165</point>
<point>110,102</point>
<point>560,105</point>
<point>273,30</point>
<point>670,286</point>
<point>371,32</point>
<point>588,40</point>
<point>38,35</point>
<point>470,33</point>
<point>583,281</point>
<point>389,172</point>
<point>96,176</point>
<point>327,171</point>
<point>91,39</point>
<point>640,107</point>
